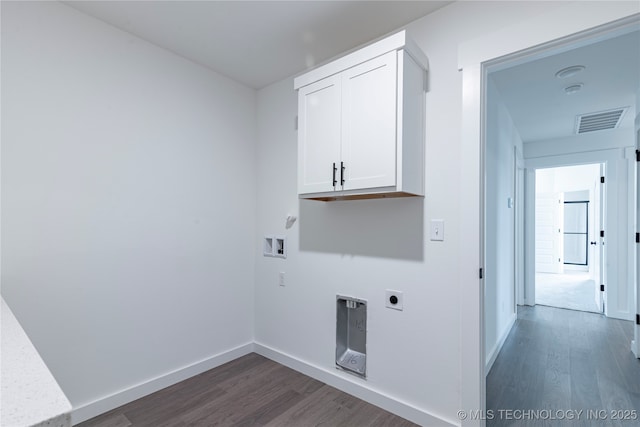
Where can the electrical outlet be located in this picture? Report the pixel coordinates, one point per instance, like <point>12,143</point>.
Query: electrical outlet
<point>281,278</point>
<point>394,300</point>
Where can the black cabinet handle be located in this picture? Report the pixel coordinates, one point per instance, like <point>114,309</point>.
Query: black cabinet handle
<point>594,243</point>
<point>334,175</point>
<point>342,173</point>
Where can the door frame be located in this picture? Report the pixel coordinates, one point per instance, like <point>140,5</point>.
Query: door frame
<point>518,250</point>
<point>607,158</point>
<point>635,344</point>
<point>563,28</point>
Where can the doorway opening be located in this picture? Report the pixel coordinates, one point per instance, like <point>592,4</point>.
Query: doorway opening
<point>478,59</point>
<point>568,246</point>
<point>566,209</point>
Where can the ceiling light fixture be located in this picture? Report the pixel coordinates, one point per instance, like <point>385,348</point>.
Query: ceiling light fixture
<point>570,71</point>
<point>570,90</point>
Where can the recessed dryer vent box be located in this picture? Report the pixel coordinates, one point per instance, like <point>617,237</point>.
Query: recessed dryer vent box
<point>351,335</point>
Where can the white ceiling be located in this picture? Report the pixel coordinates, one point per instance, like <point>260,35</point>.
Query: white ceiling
<point>536,100</point>
<point>258,42</point>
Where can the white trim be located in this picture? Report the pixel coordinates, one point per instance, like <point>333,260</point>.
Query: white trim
<point>354,387</point>
<point>496,349</point>
<point>396,41</point>
<point>471,190</point>
<point>635,344</point>
<point>518,227</point>
<point>529,233</point>
<point>562,20</point>
<point>631,279</point>
<point>104,404</point>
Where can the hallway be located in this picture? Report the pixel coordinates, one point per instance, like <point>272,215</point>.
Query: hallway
<point>565,360</point>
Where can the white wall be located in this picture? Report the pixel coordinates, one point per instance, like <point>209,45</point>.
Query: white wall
<point>361,248</point>
<point>503,141</point>
<point>566,179</point>
<point>128,202</point>
<point>117,323</point>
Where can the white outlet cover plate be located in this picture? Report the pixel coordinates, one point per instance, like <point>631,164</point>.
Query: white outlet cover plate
<point>399,305</point>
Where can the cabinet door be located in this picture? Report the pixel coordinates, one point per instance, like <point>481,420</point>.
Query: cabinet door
<point>319,117</point>
<point>369,123</point>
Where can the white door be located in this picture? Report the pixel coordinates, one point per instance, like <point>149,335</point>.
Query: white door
<point>549,222</point>
<point>319,122</point>
<point>369,93</point>
<point>601,296</point>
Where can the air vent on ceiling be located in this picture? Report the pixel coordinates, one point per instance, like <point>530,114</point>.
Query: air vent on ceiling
<point>601,120</point>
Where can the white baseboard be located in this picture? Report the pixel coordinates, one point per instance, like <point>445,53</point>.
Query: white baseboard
<point>334,379</point>
<point>107,403</point>
<point>493,355</point>
<point>354,388</point>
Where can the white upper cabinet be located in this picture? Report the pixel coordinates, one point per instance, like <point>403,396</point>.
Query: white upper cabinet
<point>369,123</point>
<point>361,124</point>
<point>319,128</point>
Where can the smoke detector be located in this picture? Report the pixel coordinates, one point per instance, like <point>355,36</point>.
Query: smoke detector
<point>570,90</point>
<point>570,71</point>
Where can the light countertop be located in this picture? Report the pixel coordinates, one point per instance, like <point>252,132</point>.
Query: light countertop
<point>30,396</point>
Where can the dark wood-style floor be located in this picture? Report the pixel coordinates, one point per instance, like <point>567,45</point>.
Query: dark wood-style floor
<point>557,359</point>
<point>249,391</point>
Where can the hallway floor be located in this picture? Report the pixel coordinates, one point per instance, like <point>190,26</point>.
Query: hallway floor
<point>565,360</point>
<point>573,290</point>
